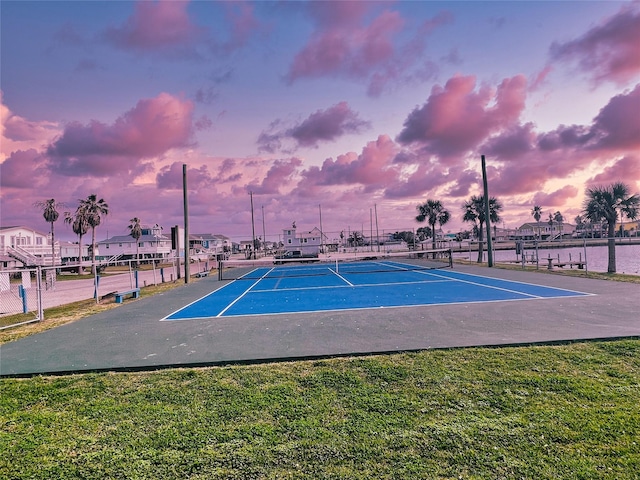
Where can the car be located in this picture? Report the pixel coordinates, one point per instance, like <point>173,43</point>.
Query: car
<point>296,255</point>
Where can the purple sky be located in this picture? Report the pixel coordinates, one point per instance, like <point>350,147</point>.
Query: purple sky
<point>347,105</point>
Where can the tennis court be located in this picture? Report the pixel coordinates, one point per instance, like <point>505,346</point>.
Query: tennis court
<point>261,288</point>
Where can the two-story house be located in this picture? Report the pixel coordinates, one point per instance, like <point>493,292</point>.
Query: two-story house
<point>308,243</point>
<point>25,247</point>
<point>153,244</point>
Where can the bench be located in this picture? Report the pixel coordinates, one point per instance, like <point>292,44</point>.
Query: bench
<point>134,292</point>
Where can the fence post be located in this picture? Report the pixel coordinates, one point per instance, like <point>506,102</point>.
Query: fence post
<point>23,295</point>
<point>39,301</point>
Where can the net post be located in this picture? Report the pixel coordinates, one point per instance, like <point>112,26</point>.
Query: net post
<point>219,270</point>
<point>450,258</point>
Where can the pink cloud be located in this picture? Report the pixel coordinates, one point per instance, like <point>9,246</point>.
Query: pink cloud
<point>243,24</point>
<point>514,142</point>
<point>323,125</point>
<point>557,198</point>
<point>279,176</point>
<point>617,125</point>
<point>345,45</point>
<point>610,51</point>
<point>456,118</point>
<point>426,178</point>
<point>625,169</point>
<point>22,169</point>
<point>155,26</point>
<point>372,169</point>
<point>151,128</point>
<point>352,51</point>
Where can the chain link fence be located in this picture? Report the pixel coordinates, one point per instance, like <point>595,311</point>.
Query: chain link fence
<point>26,293</point>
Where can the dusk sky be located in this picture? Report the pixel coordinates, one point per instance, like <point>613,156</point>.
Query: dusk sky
<point>347,105</point>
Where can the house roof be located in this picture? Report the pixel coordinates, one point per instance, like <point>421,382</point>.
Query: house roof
<point>14,227</point>
<point>129,238</point>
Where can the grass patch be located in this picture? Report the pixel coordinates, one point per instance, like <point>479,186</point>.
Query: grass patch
<point>570,411</point>
<point>60,315</point>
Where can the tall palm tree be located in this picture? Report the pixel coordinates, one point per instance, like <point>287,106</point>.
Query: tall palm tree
<point>93,210</point>
<point>558,218</point>
<point>135,230</point>
<point>602,205</point>
<point>474,212</point>
<point>537,214</point>
<point>80,227</point>
<point>434,213</point>
<point>50,214</point>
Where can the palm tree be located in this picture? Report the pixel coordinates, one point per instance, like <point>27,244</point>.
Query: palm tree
<point>558,218</point>
<point>80,227</point>
<point>434,213</point>
<point>93,210</point>
<point>537,214</point>
<point>50,214</point>
<point>474,212</point>
<point>602,205</point>
<point>135,230</point>
<point>355,239</point>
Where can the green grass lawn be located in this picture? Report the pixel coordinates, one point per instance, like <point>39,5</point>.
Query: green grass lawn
<point>566,411</point>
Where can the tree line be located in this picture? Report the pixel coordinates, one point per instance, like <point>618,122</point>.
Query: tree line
<point>88,215</point>
<point>602,204</point>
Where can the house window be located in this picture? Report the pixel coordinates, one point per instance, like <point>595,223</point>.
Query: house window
<point>141,244</point>
<point>119,244</point>
<point>38,240</point>
<point>107,246</point>
<point>288,240</point>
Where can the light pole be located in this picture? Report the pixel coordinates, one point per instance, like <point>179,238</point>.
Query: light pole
<point>253,230</point>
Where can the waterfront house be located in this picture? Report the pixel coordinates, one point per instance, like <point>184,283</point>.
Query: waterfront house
<point>153,244</point>
<point>24,247</point>
<point>308,243</point>
<point>544,231</point>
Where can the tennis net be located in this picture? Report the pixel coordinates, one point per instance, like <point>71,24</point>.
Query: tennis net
<point>366,262</point>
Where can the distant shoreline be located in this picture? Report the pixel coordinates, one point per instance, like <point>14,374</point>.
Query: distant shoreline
<point>567,243</point>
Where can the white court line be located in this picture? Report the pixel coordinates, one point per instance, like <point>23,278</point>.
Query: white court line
<point>341,277</point>
<point>239,297</point>
<point>494,287</point>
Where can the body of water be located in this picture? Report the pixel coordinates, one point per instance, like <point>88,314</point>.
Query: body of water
<point>627,257</point>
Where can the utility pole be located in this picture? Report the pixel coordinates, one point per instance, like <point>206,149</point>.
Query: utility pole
<point>186,223</point>
<point>321,234</point>
<point>487,212</point>
<point>264,234</point>
<point>375,206</point>
<point>253,229</point>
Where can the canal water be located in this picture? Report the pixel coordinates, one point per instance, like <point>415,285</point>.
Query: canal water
<point>597,257</point>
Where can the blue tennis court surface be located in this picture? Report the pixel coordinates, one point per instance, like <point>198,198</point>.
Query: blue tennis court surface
<point>317,288</point>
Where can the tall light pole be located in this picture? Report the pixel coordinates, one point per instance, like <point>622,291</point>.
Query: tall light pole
<point>487,212</point>
<point>264,234</point>
<point>253,229</point>
<point>321,234</point>
<point>186,223</point>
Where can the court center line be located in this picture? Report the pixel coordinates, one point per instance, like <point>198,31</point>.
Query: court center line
<point>341,277</point>
<point>238,298</point>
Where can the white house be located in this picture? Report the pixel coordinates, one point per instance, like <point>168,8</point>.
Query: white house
<point>310,242</point>
<point>25,247</point>
<point>544,230</point>
<point>151,245</point>
<point>209,244</point>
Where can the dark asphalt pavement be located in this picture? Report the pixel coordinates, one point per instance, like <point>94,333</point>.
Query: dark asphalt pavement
<point>131,337</point>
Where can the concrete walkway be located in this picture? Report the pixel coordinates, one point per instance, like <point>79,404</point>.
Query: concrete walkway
<point>131,337</point>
